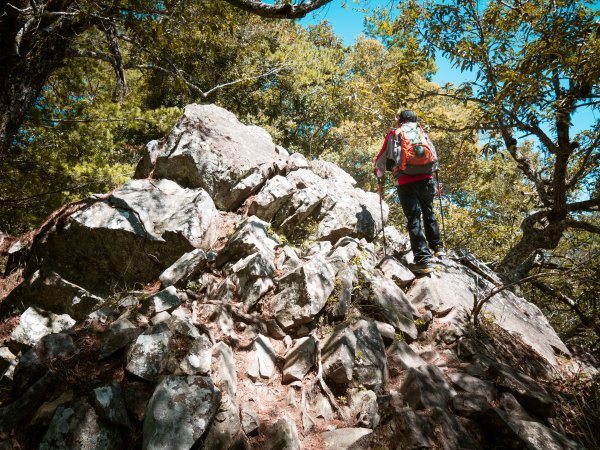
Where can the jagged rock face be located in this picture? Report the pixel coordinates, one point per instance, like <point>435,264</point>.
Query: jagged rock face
<point>210,149</point>
<point>251,342</point>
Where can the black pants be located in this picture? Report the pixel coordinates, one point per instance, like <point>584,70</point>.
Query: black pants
<point>416,199</point>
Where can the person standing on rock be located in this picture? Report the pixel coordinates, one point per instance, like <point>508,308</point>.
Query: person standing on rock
<point>410,155</point>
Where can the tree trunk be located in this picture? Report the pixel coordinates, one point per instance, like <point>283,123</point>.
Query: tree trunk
<point>25,73</point>
<point>536,235</point>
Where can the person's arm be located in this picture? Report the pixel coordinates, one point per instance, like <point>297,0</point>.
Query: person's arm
<point>381,157</point>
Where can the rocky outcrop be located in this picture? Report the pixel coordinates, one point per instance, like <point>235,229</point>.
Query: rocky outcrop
<point>166,315</point>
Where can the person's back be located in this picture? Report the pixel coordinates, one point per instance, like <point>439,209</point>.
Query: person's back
<point>416,192</point>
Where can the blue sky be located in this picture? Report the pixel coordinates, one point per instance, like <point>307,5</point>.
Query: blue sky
<point>347,21</point>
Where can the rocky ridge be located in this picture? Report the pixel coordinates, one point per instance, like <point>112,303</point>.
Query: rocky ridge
<point>236,296</point>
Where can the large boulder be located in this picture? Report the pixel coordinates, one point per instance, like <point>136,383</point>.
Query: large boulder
<point>451,292</point>
<point>130,236</point>
<point>210,149</point>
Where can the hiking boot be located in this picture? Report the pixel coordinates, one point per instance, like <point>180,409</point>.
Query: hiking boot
<point>421,268</point>
<point>439,251</point>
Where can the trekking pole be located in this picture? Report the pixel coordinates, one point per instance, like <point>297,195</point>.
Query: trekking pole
<point>437,179</point>
<point>381,208</point>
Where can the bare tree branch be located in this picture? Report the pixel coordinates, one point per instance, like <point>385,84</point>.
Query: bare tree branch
<point>278,11</point>
<point>585,226</point>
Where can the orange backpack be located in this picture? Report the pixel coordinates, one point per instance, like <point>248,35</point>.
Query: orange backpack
<point>413,152</point>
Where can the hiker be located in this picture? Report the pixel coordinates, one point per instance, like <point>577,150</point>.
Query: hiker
<point>415,185</point>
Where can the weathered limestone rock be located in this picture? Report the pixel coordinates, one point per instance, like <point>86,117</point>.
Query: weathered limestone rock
<point>49,291</point>
<point>110,404</point>
<point>210,149</point>
<point>146,358</point>
<point>473,385</point>
<point>350,212</point>
<point>149,225</point>
<point>355,355</point>
<point>76,425</point>
<point>400,356</point>
<point>35,323</point>
<point>392,268</point>
<point>282,435</point>
<point>529,393</point>
<point>251,236</point>
<point>300,359</point>
<point>303,293</point>
<point>250,420</point>
<point>452,289</point>
<point>226,430</point>
<point>364,409</point>
<point>393,307</point>
<point>179,412</point>
<point>348,439</point>
<point>34,363</point>
<point>183,268</point>
<point>199,358</point>
<point>470,405</point>
<point>252,277</point>
<point>8,363</point>
<point>118,335</point>
<point>425,387</point>
<point>165,300</point>
<point>262,360</point>
<point>272,197</point>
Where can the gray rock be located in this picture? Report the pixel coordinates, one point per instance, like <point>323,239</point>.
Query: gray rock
<point>452,289</point>
<point>265,356</point>
<point>210,149</point>
<point>46,411</point>
<point>426,387</point>
<point>344,251</point>
<point>400,356</point>
<point>165,300</point>
<point>182,269</point>
<point>300,359</point>
<point>519,433</point>
<point>525,389</point>
<point>147,356</point>
<point>303,293</point>
<point>470,405</point>
<point>251,236</point>
<point>473,385</point>
<point>250,420</point>
<point>137,395</point>
<point>397,243</point>
<point>15,415</point>
<point>118,335</point>
<point>199,358</point>
<point>410,430</point>
<point>252,277</point>
<point>34,363</point>
<point>8,363</point>
<point>370,360</point>
<point>355,355</point>
<point>179,412</point>
<point>47,290</point>
<point>348,439</point>
<point>350,212</point>
<point>224,369</point>
<point>343,292</point>
<point>226,430</point>
<point>110,404</point>
<point>76,425</point>
<point>364,409</point>
<point>149,225</point>
<point>393,269</point>
<point>162,316</point>
<point>275,193</point>
<point>35,323</point>
<point>392,306</point>
<point>282,435</point>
